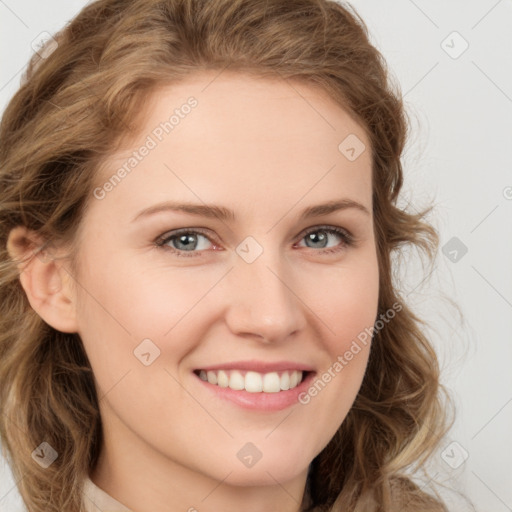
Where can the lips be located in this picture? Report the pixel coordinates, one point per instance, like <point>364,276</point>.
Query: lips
<point>256,385</point>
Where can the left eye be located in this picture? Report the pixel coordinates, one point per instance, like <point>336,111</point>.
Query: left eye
<point>321,236</point>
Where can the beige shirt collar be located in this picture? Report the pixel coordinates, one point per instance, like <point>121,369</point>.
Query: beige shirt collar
<point>97,500</point>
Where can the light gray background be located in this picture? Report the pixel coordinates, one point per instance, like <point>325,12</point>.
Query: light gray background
<point>460,156</point>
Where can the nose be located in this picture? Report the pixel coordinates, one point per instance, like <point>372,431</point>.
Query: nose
<point>262,300</point>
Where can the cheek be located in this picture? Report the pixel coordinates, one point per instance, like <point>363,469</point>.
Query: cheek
<point>122,306</point>
<point>137,302</point>
<point>346,302</point>
<point>354,311</point>
<point>348,312</point>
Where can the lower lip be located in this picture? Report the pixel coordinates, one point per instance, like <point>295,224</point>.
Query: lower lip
<point>260,401</point>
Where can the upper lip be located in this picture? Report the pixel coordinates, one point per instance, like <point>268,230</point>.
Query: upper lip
<point>260,366</point>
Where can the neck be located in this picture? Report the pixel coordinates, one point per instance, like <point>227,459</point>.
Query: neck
<point>145,480</point>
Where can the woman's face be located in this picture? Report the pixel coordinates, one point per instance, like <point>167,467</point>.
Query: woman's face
<point>256,286</point>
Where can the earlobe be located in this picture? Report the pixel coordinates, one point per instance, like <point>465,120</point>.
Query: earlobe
<point>44,279</point>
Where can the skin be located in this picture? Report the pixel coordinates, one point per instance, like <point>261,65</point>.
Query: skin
<point>266,149</point>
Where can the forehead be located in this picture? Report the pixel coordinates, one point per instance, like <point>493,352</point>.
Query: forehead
<point>231,135</point>
<point>244,106</point>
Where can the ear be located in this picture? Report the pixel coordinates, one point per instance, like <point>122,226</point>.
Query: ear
<point>44,278</point>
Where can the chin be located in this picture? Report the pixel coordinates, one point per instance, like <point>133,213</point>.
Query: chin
<point>269,473</point>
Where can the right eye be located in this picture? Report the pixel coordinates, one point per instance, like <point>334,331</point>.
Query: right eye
<point>182,241</point>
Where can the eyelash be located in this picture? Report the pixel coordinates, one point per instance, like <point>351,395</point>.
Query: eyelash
<point>348,240</point>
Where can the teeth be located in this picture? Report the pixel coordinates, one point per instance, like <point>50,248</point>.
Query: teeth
<point>285,381</point>
<point>211,376</point>
<point>222,379</point>
<point>271,383</point>
<point>293,380</point>
<point>236,380</point>
<point>253,382</point>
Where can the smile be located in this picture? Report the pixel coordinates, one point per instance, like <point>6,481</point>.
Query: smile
<point>251,381</point>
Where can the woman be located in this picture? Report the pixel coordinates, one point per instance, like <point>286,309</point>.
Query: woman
<point>198,218</point>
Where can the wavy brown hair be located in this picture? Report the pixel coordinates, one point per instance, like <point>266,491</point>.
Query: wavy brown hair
<point>75,107</point>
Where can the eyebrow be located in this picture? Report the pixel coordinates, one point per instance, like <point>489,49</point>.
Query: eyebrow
<point>225,214</point>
